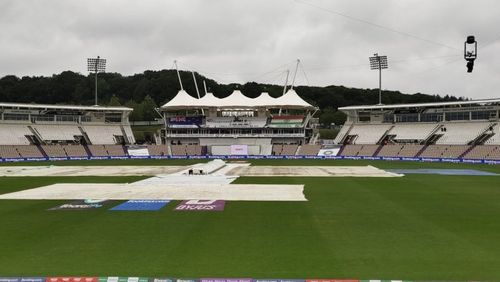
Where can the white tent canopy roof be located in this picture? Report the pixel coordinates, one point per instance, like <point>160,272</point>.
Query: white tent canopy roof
<point>237,101</point>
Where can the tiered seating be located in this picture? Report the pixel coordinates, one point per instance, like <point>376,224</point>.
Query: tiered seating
<point>368,150</point>
<point>461,133</point>
<point>158,150</point>
<point>178,150</point>
<point>115,150</point>
<point>75,151</point>
<point>57,132</point>
<point>351,150</point>
<point>98,150</point>
<point>286,121</point>
<point>444,151</point>
<point>14,134</point>
<point>412,131</point>
<point>390,150</point>
<point>410,150</point>
<point>369,133</point>
<point>29,151</point>
<point>103,134</point>
<point>480,152</point>
<point>495,139</point>
<point>54,151</point>
<point>277,148</point>
<point>284,150</point>
<point>309,150</point>
<point>494,154</point>
<point>193,150</point>
<point>289,150</point>
<point>343,131</point>
<point>7,151</point>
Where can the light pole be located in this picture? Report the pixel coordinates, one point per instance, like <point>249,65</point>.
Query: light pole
<point>96,65</point>
<point>378,63</point>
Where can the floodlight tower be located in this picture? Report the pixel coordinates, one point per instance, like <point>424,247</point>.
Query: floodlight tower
<point>96,65</point>
<point>378,63</point>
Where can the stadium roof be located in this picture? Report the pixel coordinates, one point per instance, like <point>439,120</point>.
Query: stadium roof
<point>237,100</point>
<point>422,105</point>
<point>63,107</point>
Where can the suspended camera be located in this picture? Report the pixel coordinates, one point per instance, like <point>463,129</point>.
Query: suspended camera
<point>470,52</point>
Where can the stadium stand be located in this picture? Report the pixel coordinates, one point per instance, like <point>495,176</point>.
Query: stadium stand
<point>115,150</point>
<point>309,150</point>
<point>98,150</point>
<point>368,133</point>
<point>495,138</point>
<point>411,132</point>
<point>75,151</point>
<point>444,151</point>
<point>410,150</point>
<point>263,124</point>
<point>54,151</point>
<point>29,151</point>
<point>284,149</point>
<point>158,150</point>
<point>462,129</point>
<point>7,151</point>
<point>14,134</point>
<point>57,132</point>
<point>461,133</point>
<point>103,134</point>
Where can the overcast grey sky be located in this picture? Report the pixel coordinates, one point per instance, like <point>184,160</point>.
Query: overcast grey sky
<point>257,40</point>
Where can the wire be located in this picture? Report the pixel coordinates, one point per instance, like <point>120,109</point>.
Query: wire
<point>304,72</point>
<point>375,25</point>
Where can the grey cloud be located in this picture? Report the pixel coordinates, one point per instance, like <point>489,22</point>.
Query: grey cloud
<point>241,40</point>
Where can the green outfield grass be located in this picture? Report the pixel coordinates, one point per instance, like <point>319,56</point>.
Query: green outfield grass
<point>417,227</point>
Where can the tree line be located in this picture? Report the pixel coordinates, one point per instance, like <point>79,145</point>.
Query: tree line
<point>145,91</point>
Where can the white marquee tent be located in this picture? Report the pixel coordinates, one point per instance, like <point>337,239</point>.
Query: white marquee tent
<point>289,100</point>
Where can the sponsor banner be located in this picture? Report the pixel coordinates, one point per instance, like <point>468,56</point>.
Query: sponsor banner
<point>225,280</point>
<point>141,205</point>
<point>78,158</point>
<point>332,280</point>
<point>430,160</point>
<point>319,157</point>
<point>71,279</point>
<point>450,160</point>
<point>22,279</point>
<point>139,157</point>
<point>80,205</point>
<point>201,205</point>
<point>279,280</point>
<point>123,279</point>
<point>99,158</point>
<point>119,157</point>
<point>239,150</point>
<point>162,280</point>
<point>58,158</point>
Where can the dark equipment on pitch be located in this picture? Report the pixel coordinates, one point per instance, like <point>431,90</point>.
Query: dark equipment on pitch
<point>470,52</point>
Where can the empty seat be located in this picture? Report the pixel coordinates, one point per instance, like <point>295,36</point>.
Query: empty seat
<point>309,150</point>
<point>54,151</point>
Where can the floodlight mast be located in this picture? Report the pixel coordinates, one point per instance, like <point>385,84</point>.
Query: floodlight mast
<point>96,65</point>
<point>379,62</point>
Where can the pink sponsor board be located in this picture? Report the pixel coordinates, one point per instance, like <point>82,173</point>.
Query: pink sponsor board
<point>239,150</point>
<point>225,280</point>
<point>201,205</point>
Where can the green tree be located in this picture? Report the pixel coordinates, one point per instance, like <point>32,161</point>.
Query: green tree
<point>114,101</point>
<point>137,114</point>
<point>149,106</point>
